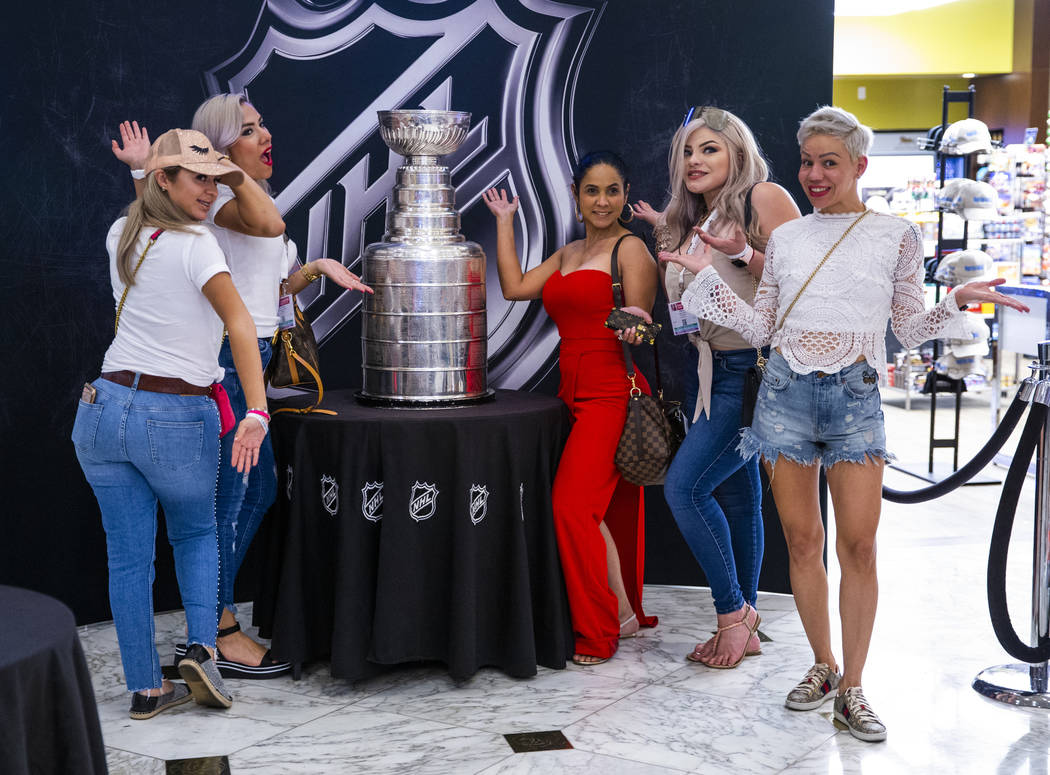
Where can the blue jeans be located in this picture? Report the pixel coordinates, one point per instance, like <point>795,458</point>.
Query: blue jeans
<point>715,495</point>
<point>241,499</point>
<point>137,448</point>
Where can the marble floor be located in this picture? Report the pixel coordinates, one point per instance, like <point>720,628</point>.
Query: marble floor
<point>648,711</point>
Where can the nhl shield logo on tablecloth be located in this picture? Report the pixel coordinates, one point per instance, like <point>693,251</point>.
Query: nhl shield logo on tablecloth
<point>479,502</point>
<point>329,494</point>
<point>423,502</point>
<point>372,501</point>
<point>288,477</point>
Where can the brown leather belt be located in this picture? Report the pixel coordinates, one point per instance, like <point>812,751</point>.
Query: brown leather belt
<point>157,384</point>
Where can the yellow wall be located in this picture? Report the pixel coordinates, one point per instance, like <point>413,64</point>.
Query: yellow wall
<point>965,36</point>
<point>899,103</point>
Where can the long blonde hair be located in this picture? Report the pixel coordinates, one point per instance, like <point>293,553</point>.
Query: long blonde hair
<point>153,208</point>
<point>746,168</point>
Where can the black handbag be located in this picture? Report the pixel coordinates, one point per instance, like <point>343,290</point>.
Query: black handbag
<point>654,428</point>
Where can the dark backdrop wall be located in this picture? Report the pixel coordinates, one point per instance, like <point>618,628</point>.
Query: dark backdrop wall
<point>545,82</point>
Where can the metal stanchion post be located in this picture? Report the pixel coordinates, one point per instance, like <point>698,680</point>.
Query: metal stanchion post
<point>1024,684</point>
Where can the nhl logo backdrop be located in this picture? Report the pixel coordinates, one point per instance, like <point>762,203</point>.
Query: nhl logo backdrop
<point>512,65</point>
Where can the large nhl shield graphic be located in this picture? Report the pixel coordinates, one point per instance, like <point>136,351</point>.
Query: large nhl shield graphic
<point>328,66</point>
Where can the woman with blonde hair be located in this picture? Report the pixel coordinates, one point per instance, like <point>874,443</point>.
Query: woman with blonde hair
<point>832,280</point>
<point>147,430</point>
<point>721,200</point>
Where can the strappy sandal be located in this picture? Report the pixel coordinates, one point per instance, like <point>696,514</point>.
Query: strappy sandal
<point>752,629</point>
<point>577,659</point>
<point>627,621</point>
<point>268,667</point>
<point>694,655</point>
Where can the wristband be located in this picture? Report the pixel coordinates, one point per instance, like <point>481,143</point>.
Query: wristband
<point>261,412</point>
<point>743,257</point>
<point>260,419</point>
<point>138,174</point>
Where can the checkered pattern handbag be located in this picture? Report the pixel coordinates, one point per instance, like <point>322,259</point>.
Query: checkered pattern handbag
<point>654,428</point>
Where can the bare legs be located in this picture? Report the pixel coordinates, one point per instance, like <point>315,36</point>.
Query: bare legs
<point>238,647</point>
<point>616,585</point>
<point>857,497</point>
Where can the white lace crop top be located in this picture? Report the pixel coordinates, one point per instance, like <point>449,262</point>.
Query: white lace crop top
<point>875,275</point>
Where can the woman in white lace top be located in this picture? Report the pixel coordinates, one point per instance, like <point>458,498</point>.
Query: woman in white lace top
<point>819,400</point>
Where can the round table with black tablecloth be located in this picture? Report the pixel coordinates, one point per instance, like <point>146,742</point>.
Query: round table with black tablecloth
<point>48,719</point>
<point>403,535</point>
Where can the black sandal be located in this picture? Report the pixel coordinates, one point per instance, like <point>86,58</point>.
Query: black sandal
<point>267,668</point>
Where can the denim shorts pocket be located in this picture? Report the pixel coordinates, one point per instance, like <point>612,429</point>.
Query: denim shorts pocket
<point>774,380</point>
<point>86,425</point>
<point>861,383</point>
<point>175,444</point>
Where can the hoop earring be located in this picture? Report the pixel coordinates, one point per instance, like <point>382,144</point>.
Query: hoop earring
<point>631,211</point>
<point>576,210</point>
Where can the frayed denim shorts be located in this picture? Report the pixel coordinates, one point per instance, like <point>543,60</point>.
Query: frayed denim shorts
<point>817,417</point>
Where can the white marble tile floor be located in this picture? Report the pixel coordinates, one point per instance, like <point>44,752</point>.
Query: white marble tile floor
<point>648,711</point>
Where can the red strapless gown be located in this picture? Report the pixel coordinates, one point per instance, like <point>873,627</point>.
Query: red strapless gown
<point>587,487</point>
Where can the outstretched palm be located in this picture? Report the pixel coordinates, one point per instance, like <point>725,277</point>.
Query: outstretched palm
<point>134,145</point>
<point>498,203</point>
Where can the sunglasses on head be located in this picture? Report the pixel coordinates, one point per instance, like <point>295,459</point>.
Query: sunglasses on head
<point>716,118</point>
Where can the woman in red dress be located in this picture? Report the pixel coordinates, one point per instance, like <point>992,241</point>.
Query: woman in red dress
<point>598,516</point>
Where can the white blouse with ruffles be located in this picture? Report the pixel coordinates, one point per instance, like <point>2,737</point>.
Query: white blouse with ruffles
<point>875,275</point>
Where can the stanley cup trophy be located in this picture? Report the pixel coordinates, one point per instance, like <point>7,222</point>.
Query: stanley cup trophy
<point>424,334</point>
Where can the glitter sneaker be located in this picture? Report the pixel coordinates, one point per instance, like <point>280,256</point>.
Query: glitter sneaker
<point>819,686</point>
<point>851,708</point>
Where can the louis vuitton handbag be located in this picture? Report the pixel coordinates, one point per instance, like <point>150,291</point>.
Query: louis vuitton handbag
<point>654,428</point>
<point>295,362</point>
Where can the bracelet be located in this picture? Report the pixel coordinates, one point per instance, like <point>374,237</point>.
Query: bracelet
<point>261,412</point>
<point>307,275</point>
<point>259,418</point>
<point>742,253</point>
<point>138,174</point>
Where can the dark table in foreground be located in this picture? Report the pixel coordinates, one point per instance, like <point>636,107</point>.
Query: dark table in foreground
<point>48,719</point>
<point>405,535</point>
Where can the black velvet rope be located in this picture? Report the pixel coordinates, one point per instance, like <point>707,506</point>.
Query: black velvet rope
<point>971,469</point>
<point>997,552</point>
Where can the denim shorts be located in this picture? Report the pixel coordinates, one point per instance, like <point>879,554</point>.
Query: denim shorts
<point>817,417</point>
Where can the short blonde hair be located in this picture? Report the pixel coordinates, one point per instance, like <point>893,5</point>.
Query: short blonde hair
<point>841,124</point>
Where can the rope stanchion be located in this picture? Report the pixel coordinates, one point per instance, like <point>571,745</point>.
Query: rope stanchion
<point>997,552</point>
<point>972,468</point>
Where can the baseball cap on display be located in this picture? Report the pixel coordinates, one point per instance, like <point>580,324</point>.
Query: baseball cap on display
<point>966,136</point>
<point>963,266</point>
<point>976,201</point>
<point>949,191</point>
<point>191,150</point>
<point>973,339</point>
<point>958,367</point>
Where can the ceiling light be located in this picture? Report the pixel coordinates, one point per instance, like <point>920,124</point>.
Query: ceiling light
<point>969,75</point>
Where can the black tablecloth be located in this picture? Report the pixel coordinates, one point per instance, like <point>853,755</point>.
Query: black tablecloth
<point>48,719</point>
<point>403,535</point>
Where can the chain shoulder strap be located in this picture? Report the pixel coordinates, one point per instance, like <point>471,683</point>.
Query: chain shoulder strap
<point>124,296</point>
<point>817,269</point>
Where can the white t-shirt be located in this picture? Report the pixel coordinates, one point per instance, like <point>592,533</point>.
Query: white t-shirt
<point>258,264</point>
<point>167,327</point>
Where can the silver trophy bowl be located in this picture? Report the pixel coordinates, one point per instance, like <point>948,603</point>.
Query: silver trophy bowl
<point>427,133</point>
<point>424,332</point>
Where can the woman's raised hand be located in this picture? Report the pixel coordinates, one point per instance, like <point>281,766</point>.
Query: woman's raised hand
<point>645,212</point>
<point>694,263</point>
<point>499,205</point>
<point>133,148</point>
<point>980,291</point>
<point>731,245</point>
<point>339,274</point>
